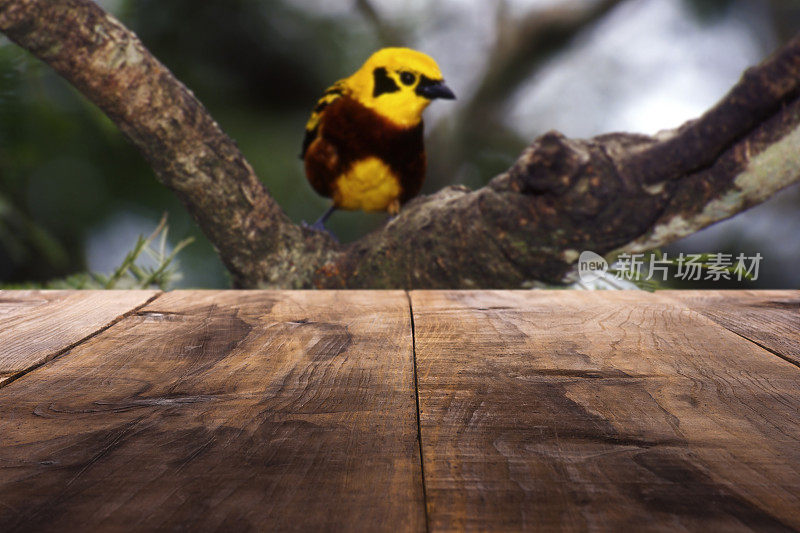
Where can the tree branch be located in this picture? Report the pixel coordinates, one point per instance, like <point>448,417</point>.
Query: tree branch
<point>612,192</point>
<point>182,143</point>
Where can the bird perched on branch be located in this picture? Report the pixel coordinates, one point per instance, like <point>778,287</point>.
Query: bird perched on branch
<point>363,145</point>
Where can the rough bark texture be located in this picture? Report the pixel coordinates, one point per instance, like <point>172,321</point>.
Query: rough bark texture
<point>613,192</point>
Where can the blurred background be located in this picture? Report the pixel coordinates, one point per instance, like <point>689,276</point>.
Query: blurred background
<point>74,194</point>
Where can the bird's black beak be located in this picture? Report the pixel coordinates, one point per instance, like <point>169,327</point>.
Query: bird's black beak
<point>431,89</point>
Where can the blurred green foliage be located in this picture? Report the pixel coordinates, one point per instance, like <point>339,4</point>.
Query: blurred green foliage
<point>63,168</point>
<point>150,264</point>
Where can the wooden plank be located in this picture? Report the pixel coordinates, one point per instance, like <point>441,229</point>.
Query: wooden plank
<point>37,325</point>
<point>768,318</point>
<point>222,411</point>
<point>610,411</point>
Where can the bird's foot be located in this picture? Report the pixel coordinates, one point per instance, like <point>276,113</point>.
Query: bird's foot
<point>319,226</point>
<point>316,226</point>
<point>394,208</point>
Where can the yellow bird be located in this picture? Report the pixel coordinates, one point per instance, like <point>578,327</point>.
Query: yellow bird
<point>363,145</point>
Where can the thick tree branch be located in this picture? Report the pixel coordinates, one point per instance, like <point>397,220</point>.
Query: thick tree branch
<point>185,147</point>
<point>616,191</point>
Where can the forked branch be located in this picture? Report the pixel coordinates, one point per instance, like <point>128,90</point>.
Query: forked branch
<point>618,191</point>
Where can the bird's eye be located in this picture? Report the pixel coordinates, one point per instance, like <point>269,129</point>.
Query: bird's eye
<point>407,78</point>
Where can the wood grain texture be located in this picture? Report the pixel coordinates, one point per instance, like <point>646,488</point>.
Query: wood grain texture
<point>768,318</point>
<point>609,411</point>
<point>222,411</point>
<point>36,325</point>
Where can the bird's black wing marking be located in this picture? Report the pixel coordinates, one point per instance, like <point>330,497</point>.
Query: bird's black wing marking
<point>308,139</point>
<point>312,126</point>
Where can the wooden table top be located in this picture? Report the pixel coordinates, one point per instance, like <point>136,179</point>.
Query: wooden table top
<point>396,411</point>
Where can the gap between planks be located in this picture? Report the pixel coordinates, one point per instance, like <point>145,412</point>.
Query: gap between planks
<point>58,353</point>
<point>735,320</point>
<point>631,418</point>
<point>767,348</point>
<point>317,428</point>
<point>745,337</point>
<point>696,315</point>
<point>419,423</point>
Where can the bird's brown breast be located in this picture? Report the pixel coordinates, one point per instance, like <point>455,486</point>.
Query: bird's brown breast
<point>350,132</point>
